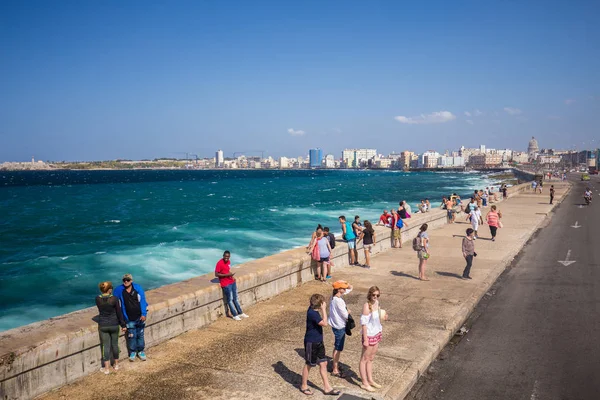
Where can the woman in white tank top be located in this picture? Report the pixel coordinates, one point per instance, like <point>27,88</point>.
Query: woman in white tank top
<point>370,321</point>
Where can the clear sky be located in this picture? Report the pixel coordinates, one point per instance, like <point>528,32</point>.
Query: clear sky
<point>89,80</point>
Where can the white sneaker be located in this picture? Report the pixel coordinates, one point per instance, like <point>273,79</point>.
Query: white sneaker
<point>244,315</point>
<point>116,367</point>
<point>106,371</point>
<point>237,318</point>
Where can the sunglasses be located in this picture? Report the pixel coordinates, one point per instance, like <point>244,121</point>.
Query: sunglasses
<point>126,280</point>
<point>377,295</point>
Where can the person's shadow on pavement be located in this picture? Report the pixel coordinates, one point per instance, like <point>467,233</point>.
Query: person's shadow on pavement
<point>291,377</point>
<point>403,274</point>
<point>450,274</point>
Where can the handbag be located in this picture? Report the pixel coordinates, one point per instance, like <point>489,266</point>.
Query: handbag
<point>350,324</point>
<point>316,254</point>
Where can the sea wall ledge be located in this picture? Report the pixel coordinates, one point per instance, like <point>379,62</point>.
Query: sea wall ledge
<point>45,355</point>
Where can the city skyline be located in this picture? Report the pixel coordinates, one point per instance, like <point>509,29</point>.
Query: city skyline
<point>91,81</point>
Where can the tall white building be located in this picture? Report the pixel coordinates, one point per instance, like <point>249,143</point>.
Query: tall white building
<point>353,157</point>
<point>219,158</point>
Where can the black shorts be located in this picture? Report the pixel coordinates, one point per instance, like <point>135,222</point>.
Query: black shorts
<point>314,353</point>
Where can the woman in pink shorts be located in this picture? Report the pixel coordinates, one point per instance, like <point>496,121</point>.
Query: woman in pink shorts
<point>370,321</point>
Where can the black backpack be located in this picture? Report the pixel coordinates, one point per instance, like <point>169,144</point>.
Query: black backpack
<point>331,237</point>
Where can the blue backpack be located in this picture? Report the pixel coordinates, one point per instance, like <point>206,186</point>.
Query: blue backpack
<point>400,223</point>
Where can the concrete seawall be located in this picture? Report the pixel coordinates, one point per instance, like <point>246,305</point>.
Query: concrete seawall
<point>42,356</point>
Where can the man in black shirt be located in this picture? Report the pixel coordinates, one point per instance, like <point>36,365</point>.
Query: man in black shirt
<point>134,307</point>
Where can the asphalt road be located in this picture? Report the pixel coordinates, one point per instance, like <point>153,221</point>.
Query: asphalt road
<point>538,336</point>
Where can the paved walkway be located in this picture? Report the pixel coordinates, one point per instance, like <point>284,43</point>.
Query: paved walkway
<point>260,357</point>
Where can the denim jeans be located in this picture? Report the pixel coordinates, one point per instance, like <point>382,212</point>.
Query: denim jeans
<point>135,336</point>
<point>231,298</point>
<point>467,271</point>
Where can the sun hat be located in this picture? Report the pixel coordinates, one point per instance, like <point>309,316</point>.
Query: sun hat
<point>340,285</point>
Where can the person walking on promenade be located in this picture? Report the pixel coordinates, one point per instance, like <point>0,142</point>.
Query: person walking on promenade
<point>421,246</point>
<point>541,186</point>
<point>371,329</point>
<point>324,251</point>
<point>468,251</point>
<point>134,308</point>
<point>449,204</point>
<point>338,317</point>
<point>551,193</point>
<point>504,191</point>
<point>397,225</point>
<point>493,220</point>
<point>314,348</point>
<point>110,316</point>
<point>476,219</point>
<point>350,238</point>
<point>229,286</point>
<point>369,238</point>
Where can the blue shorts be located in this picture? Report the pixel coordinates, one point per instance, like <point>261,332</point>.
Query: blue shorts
<point>340,338</point>
<point>352,243</point>
<point>324,259</point>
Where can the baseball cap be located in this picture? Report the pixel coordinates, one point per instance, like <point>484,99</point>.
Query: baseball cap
<point>340,285</point>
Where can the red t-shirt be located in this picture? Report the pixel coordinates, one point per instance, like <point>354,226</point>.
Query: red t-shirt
<point>224,268</point>
<point>384,218</point>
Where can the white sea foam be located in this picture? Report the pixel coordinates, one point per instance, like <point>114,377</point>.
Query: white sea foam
<point>100,252</point>
<point>113,221</point>
<point>210,194</point>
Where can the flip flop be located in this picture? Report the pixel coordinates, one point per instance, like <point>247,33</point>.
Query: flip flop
<point>332,392</point>
<point>306,391</point>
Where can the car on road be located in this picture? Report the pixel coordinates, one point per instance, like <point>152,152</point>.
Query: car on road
<point>585,177</point>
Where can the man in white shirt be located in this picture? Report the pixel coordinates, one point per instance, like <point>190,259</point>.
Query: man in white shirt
<point>338,316</point>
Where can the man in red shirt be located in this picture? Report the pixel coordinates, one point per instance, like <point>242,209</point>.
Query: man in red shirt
<point>229,287</point>
<point>384,219</point>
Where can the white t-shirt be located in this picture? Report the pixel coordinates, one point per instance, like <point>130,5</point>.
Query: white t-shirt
<point>338,315</point>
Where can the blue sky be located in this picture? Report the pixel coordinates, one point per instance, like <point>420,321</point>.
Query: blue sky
<point>84,80</point>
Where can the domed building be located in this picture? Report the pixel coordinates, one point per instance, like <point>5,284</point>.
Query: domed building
<point>533,149</point>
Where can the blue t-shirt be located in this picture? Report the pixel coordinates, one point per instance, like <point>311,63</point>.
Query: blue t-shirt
<point>314,331</point>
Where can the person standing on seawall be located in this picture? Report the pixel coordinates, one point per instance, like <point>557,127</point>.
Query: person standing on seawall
<point>369,238</point>
<point>135,309</point>
<point>493,220</point>
<point>371,329</point>
<point>350,238</point>
<point>421,246</point>
<point>229,286</point>
<point>551,193</point>
<point>468,251</point>
<point>314,348</point>
<point>109,318</point>
<point>338,317</point>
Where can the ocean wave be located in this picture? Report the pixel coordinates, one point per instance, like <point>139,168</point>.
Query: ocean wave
<point>113,221</point>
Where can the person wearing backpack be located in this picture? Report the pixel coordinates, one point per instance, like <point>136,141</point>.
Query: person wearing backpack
<point>421,246</point>
<point>397,224</point>
<point>330,236</point>
<point>320,252</point>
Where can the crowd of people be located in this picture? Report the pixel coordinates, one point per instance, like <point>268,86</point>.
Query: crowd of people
<point>124,309</point>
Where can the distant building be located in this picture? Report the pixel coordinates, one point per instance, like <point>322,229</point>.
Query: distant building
<point>486,160</point>
<point>533,149</point>
<point>353,158</point>
<point>329,161</point>
<point>451,162</point>
<point>429,159</point>
<point>405,158</point>
<point>219,158</point>
<point>316,158</point>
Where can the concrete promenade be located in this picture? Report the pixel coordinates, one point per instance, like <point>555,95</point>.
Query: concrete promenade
<point>260,358</point>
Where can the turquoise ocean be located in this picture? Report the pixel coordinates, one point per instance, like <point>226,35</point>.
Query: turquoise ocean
<point>63,232</point>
